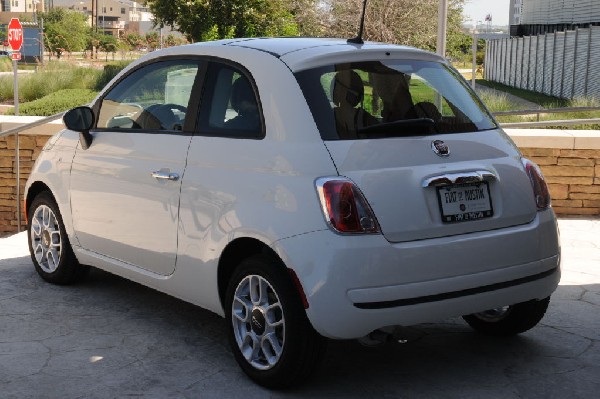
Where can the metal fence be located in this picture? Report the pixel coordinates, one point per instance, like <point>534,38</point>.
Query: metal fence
<point>561,64</point>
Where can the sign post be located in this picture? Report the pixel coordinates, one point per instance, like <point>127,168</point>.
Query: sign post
<point>15,39</point>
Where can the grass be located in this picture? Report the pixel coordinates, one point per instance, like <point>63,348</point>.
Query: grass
<point>538,98</point>
<point>51,86</point>
<point>57,76</point>
<point>5,64</point>
<point>52,78</point>
<point>54,103</point>
<point>498,101</point>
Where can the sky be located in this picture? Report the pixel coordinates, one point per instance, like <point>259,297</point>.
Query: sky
<point>476,10</point>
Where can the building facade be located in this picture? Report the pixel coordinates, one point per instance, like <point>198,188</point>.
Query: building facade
<point>515,11</point>
<point>21,6</point>
<point>547,16</point>
<point>111,17</point>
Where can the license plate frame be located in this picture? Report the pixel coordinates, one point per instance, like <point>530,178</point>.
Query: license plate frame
<point>465,202</point>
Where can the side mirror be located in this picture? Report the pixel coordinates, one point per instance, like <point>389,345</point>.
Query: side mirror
<point>80,119</point>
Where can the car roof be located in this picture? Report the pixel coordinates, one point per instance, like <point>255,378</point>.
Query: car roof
<point>300,53</point>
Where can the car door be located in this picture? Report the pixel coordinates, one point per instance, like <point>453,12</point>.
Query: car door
<point>125,187</point>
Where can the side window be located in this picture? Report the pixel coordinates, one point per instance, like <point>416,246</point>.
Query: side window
<point>154,97</point>
<point>229,104</point>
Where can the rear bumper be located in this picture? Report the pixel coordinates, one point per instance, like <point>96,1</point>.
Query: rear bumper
<point>357,284</point>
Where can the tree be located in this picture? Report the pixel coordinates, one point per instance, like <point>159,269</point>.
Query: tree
<point>151,40</point>
<point>108,44</point>
<point>172,40</point>
<point>310,16</point>
<point>133,40</point>
<point>218,19</point>
<point>65,31</point>
<point>408,22</point>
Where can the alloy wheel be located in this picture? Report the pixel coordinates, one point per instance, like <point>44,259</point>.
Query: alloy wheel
<point>258,322</point>
<point>46,240</point>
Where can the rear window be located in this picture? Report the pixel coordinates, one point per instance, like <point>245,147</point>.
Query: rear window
<point>391,98</point>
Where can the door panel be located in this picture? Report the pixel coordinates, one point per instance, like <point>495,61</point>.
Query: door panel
<point>125,187</point>
<point>119,209</point>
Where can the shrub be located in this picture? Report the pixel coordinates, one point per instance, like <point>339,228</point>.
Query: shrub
<point>110,71</point>
<point>54,103</point>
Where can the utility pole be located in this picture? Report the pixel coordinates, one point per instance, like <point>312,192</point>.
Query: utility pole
<point>442,24</point>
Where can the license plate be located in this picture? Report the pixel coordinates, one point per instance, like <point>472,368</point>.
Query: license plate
<point>465,202</point>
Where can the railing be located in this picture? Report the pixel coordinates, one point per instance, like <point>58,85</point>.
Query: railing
<point>16,132</point>
<point>538,112</point>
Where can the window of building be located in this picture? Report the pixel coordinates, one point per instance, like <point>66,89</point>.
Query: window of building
<point>122,10</point>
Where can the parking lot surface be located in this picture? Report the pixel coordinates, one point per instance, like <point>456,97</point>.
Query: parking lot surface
<point>111,338</point>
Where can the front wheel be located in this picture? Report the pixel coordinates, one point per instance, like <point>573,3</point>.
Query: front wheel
<point>271,337</point>
<point>509,320</point>
<point>49,245</point>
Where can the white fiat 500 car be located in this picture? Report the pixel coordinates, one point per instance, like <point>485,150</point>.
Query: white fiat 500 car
<point>304,189</point>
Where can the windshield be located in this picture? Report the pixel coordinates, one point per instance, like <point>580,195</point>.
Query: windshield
<point>391,98</point>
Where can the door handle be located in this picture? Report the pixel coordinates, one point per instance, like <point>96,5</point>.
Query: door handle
<point>162,175</point>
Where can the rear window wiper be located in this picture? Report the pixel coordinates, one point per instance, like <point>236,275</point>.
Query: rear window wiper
<point>399,127</point>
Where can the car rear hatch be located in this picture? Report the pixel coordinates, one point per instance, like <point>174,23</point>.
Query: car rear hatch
<point>419,144</point>
<point>418,194</point>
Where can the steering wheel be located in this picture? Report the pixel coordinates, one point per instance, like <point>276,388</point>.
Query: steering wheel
<point>165,115</point>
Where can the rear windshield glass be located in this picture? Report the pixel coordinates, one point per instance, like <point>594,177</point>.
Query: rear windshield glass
<point>391,98</point>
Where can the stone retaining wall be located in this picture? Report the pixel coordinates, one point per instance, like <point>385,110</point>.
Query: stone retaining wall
<point>30,147</point>
<point>573,177</point>
<point>570,161</point>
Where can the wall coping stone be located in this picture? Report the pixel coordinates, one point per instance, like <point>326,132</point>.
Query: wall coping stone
<point>525,138</point>
<point>552,138</point>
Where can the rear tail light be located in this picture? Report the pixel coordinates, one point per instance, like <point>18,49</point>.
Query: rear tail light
<point>345,208</point>
<point>540,188</point>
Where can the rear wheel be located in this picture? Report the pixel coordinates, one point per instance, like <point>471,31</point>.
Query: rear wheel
<point>509,320</point>
<point>270,335</point>
<point>49,245</point>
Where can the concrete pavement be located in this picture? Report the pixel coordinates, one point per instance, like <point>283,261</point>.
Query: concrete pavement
<point>110,338</point>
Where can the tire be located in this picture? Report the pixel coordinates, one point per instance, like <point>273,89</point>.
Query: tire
<point>270,335</point>
<point>49,245</point>
<point>509,320</point>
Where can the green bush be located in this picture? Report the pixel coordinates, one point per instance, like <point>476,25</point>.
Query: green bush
<point>110,71</point>
<point>54,103</point>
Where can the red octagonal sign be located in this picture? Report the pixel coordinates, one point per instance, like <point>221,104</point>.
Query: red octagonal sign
<point>15,34</point>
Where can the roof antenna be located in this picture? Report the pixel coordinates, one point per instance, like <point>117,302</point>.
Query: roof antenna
<point>358,39</point>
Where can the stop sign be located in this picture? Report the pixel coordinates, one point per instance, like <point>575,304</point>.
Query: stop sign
<point>15,34</point>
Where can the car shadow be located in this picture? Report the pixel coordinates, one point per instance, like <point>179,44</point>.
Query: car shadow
<point>178,349</point>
